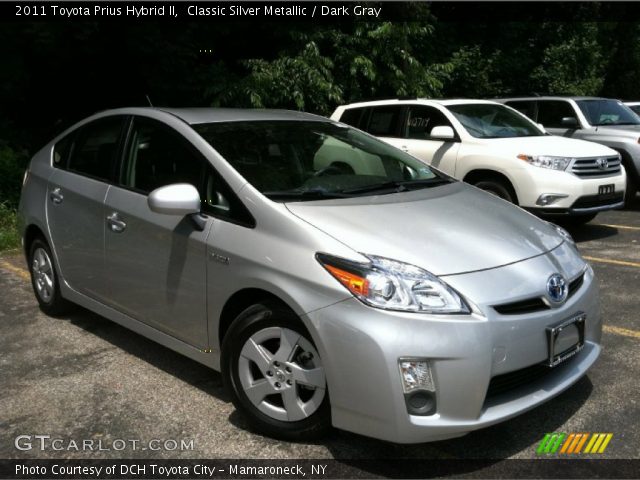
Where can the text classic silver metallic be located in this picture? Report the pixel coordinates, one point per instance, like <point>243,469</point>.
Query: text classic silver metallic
<point>330,277</point>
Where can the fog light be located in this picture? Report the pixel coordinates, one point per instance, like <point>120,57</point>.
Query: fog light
<point>416,375</point>
<point>420,403</point>
<point>549,198</point>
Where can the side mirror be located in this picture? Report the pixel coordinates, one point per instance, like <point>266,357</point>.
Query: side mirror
<point>177,199</point>
<point>569,122</point>
<point>442,132</point>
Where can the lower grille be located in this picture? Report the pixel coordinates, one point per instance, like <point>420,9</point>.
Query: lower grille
<point>590,201</point>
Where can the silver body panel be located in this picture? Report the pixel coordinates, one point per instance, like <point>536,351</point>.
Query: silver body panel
<point>170,281</point>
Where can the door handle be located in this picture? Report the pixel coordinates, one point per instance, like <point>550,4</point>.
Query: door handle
<point>56,196</point>
<point>115,223</point>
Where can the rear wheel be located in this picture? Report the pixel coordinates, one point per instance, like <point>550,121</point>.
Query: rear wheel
<point>44,279</point>
<point>496,187</point>
<point>275,374</point>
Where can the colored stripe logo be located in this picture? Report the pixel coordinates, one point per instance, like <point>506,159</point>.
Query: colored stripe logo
<point>574,443</point>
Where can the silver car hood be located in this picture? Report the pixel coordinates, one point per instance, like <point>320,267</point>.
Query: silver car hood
<point>447,230</point>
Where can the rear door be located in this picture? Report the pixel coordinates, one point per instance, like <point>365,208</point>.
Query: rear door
<point>85,163</point>
<point>385,122</point>
<point>155,263</point>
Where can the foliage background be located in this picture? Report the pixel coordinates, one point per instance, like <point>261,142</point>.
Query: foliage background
<point>55,73</point>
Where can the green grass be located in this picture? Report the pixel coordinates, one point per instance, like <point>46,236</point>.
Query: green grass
<point>9,237</point>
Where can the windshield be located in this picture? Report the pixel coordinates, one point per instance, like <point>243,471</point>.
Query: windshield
<point>294,160</point>
<point>607,112</point>
<point>486,120</point>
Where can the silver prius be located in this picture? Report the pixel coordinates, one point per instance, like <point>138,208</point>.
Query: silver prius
<point>331,278</point>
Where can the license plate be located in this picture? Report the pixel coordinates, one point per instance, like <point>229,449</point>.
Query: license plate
<point>606,189</point>
<point>565,339</point>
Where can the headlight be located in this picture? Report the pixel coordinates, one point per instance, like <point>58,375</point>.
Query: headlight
<point>547,161</point>
<point>393,285</point>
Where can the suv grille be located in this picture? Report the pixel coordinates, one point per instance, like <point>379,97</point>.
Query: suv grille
<point>596,167</point>
<point>535,304</point>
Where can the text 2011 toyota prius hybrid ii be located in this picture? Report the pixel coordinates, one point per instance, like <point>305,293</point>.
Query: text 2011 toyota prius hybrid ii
<point>330,277</point>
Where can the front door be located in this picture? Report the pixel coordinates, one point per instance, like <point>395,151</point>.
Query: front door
<point>156,263</point>
<point>419,143</point>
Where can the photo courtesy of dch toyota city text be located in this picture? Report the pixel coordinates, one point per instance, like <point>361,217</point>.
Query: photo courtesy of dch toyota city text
<point>328,240</point>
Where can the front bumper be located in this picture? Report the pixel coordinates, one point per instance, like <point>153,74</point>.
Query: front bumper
<point>360,347</point>
<point>582,194</point>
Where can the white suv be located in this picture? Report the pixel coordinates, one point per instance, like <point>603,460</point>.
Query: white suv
<point>497,149</point>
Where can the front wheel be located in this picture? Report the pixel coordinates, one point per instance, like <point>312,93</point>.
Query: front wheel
<point>497,188</point>
<point>274,373</point>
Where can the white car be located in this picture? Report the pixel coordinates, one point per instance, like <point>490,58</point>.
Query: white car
<point>635,106</point>
<point>497,149</point>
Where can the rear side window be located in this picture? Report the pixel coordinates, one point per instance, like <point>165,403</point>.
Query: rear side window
<point>551,113</point>
<point>385,121</point>
<point>352,116</point>
<point>95,149</point>
<point>527,108</point>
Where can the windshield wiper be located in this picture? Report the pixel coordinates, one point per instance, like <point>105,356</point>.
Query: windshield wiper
<point>303,195</point>
<point>398,186</point>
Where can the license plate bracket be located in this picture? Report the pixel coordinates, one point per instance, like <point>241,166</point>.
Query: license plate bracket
<point>607,190</point>
<point>563,331</point>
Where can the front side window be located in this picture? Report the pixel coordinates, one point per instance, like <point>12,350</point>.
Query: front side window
<point>551,113</point>
<point>352,116</point>
<point>422,120</point>
<point>487,120</point>
<point>157,156</point>
<point>607,112</point>
<point>313,160</point>
<point>95,150</point>
<point>635,108</point>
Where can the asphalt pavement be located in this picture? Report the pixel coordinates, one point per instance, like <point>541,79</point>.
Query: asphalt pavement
<point>83,377</point>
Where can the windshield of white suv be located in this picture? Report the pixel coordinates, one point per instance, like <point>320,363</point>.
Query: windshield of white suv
<point>299,160</point>
<point>607,112</point>
<point>486,120</point>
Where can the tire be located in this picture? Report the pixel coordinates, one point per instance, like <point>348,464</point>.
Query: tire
<point>268,365</point>
<point>498,188</point>
<point>631,191</point>
<point>44,279</point>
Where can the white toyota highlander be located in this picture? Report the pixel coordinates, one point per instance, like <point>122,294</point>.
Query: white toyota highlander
<point>497,149</point>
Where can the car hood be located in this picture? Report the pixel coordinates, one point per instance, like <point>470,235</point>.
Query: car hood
<point>447,230</point>
<point>552,145</point>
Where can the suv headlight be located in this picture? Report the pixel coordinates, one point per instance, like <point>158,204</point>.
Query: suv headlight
<point>547,161</point>
<point>393,285</point>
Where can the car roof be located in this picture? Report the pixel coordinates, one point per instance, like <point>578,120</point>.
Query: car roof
<point>195,116</point>
<point>555,97</point>
<point>418,101</point>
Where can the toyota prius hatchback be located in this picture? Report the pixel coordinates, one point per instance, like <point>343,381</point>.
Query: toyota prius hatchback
<point>332,278</point>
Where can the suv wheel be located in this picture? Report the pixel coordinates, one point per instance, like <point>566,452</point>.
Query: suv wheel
<point>44,279</point>
<point>275,374</point>
<point>497,188</point>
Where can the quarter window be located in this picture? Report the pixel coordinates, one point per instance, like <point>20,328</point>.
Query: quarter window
<point>551,113</point>
<point>95,150</point>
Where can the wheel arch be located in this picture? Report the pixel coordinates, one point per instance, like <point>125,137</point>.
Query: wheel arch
<point>478,174</point>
